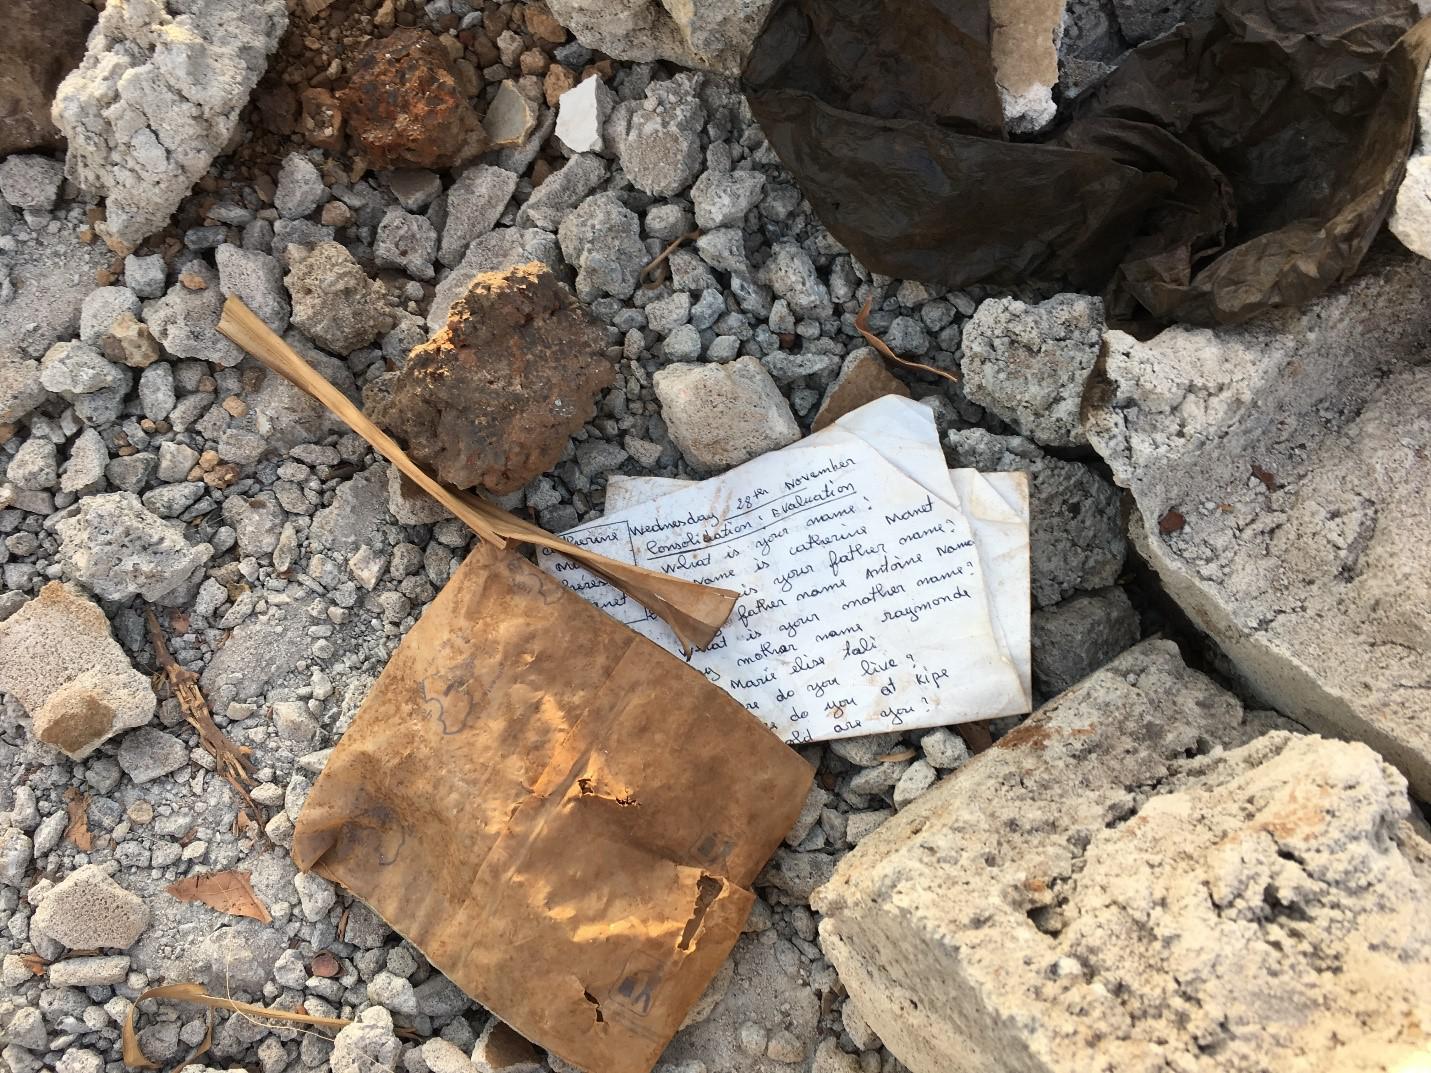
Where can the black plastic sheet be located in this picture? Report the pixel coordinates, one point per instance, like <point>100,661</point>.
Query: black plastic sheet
<point>1241,162</point>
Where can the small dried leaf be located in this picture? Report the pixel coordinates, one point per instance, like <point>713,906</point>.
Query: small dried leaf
<point>1171,522</point>
<point>34,963</point>
<point>228,892</point>
<point>78,832</point>
<point>325,965</point>
<point>342,925</point>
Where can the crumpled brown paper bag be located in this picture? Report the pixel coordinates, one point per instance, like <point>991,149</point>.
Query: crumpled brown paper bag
<point>564,818</point>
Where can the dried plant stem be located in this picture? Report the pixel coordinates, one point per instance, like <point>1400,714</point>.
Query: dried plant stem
<point>862,324</point>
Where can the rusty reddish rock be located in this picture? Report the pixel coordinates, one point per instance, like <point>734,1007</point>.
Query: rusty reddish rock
<point>491,400</point>
<point>404,108</point>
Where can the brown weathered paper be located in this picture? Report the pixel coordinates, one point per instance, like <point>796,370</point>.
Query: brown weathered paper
<point>562,816</point>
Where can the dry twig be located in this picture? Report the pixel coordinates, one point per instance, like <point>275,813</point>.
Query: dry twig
<point>672,247</point>
<point>232,760</point>
<point>862,324</point>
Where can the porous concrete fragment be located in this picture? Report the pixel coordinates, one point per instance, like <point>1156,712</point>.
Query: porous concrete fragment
<point>95,386</point>
<point>1076,540</point>
<point>662,151</point>
<point>492,399</point>
<point>722,199</point>
<point>334,302</point>
<point>300,187</point>
<point>35,466</point>
<point>102,971</point>
<point>49,279</point>
<point>1074,638</point>
<point>713,34</point>
<point>1028,363</point>
<point>130,342</point>
<point>30,182</point>
<point>148,752</point>
<point>602,239</point>
<point>721,415</point>
<point>185,320</point>
<point>157,97</point>
<point>474,203</point>
<point>1121,883</point>
<point>20,387</point>
<point>407,242</point>
<point>43,41</point>
<point>102,307</point>
<point>559,194</point>
<point>256,279</point>
<point>117,549</point>
<point>404,107</point>
<point>84,469</point>
<point>16,852</point>
<point>58,659</point>
<point>89,911</point>
<point>791,275</point>
<point>1280,477</point>
<point>581,115</point>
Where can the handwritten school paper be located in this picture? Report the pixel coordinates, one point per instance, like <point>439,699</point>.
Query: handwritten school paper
<point>879,591</point>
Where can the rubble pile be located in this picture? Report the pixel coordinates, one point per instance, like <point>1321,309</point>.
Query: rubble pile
<point>545,244</point>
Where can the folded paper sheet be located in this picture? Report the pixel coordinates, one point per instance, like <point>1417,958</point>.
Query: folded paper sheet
<point>563,817</point>
<point>880,590</point>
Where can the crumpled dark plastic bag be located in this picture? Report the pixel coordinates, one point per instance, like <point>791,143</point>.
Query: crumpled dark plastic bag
<point>1242,162</point>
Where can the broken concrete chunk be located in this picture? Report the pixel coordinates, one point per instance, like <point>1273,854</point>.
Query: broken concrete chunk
<point>662,151</point>
<point>334,301</point>
<point>49,278</point>
<point>713,34</point>
<point>31,183</point>
<point>1279,470</point>
<point>492,399</point>
<point>1074,638</point>
<point>723,415</point>
<point>501,1050</point>
<point>1123,884</point>
<point>581,115</point>
<point>20,387</point>
<point>1028,364</point>
<point>474,203</point>
<point>1076,539</point>
<point>89,911</point>
<point>117,549</point>
<point>43,41</point>
<point>58,660</point>
<point>148,752</point>
<point>404,107</point>
<point>185,319</point>
<point>157,97</point>
<point>130,342</point>
<point>510,118</point>
<point>257,280</point>
<point>602,239</point>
